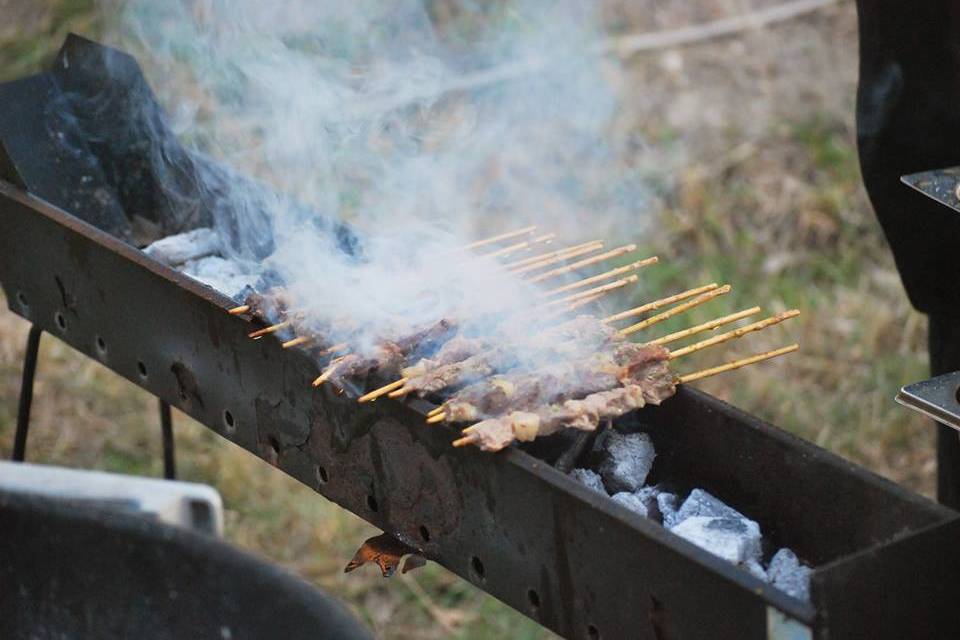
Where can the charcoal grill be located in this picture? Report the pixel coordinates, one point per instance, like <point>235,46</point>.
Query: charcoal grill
<point>885,560</point>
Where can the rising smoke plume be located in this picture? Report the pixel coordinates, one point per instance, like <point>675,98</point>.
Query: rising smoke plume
<point>347,109</point>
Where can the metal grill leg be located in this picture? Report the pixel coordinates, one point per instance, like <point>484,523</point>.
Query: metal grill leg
<point>26,393</point>
<point>169,454</point>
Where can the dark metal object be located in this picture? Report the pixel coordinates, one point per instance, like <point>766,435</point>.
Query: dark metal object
<point>568,557</point>
<point>26,393</point>
<point>941,185</point>
<point>509,523</point>
<point>71,569</point>
<point>169,453</point>
<point>935,398</point>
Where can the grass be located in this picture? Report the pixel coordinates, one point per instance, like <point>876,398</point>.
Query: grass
<point>779,212</point>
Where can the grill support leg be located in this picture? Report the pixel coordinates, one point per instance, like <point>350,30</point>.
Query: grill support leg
<point>26,393</point>
<point>169,453</point>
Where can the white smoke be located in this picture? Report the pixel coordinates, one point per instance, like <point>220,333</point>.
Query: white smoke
<point>347,108</point>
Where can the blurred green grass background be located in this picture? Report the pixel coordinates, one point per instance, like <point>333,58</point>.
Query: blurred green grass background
<point>767,195</point>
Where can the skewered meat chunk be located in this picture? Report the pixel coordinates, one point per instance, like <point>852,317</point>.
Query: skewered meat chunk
<point>513,392</point>
<point>456,349</point>
<point>654,384</point>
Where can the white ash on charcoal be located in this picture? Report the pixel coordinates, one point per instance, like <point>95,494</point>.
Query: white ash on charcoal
<point>226,276</point>
<point>633,502</point>
<point>627,460</point>
<point>701,503</point>
<point>700,518</point>
<point>176,250</point>
<point>667,505</point>
<point>588,478</point>
<point>736,540</point>
<point>788,574</point>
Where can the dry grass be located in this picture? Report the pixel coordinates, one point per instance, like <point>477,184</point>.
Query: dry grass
<point>765,194</point>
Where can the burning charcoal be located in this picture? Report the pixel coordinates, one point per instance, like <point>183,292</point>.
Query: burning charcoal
<point>701,503</point>
<point>175,250</point>
<point>667,504</point>
<point>226,276</point>
<point>788,574</point>
<point>628,461</point>
<point>756,569</point>
<point>588,478</point>
<point>633,502</point>
<point>734,539</point>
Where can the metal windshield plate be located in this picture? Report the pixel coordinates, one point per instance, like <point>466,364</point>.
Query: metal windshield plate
<point>939,184</point>
<point>936,398</point>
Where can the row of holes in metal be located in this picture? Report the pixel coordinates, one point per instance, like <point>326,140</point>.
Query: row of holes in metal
<point>322,475</point>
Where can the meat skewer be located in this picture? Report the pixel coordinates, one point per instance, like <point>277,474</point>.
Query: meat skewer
<point>651,384</point>
<point>656,304</point>
<point>658,384</point>
<point>475,402</point>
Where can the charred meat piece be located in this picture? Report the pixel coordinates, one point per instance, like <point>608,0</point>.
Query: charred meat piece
<point>654,384</point>
<point>456,349</point>
<point>571,380</point>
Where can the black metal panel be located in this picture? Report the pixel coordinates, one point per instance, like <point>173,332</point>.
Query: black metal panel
<point>509,523</point>
<point>71,570</point>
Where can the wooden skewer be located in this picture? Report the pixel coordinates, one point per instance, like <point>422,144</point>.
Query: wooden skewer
<point>589,293</point>
<point>582,303</point>
<point>440,417</point>
<point>613,253</point>
<point>736,333</point>
<point>554,257</point>
<point>266,330</point>
<point>297,341</point>
<point>680,308</point>
<point>549,254</point>
<point>434,412</point>
<point>502,236</point>
<point>329,371</point>
<point>706,326</point>
<point>603,276</point>
<point>385,389</point>
<point>736,364</point>
<point>341,346</point>
<point>398,393</point>
<point>465,440</point>
<point>238,310</point>
<point>513,248</point>
<point>656,304</point>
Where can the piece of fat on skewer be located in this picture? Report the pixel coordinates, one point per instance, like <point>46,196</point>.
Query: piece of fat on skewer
<point>680,308</point>
<point>600,277</point>
<point>586,262</point>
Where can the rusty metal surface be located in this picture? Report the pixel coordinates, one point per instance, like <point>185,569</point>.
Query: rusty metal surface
<point>567,557</point>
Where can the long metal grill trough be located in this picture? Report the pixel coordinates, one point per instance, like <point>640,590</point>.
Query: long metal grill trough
<point>885,561</point>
